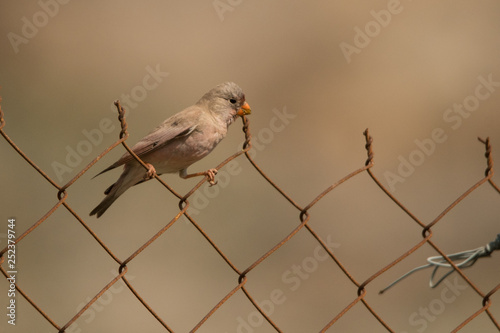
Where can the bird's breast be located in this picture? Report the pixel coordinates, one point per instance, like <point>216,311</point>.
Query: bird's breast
<point>180,153</point>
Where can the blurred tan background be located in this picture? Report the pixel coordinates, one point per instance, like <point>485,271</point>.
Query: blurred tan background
<point>403,69</point>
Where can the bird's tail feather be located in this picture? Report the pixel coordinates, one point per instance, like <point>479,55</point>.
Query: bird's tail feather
<point>103,206</point>
<point>129,177</point>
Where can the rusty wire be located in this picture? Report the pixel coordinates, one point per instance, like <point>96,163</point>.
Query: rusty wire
<point>302,223</point>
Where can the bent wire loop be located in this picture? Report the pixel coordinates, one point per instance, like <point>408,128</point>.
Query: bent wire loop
<point>468,258</point>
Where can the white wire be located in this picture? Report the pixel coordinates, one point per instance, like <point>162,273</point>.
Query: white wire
<point>469,258</point>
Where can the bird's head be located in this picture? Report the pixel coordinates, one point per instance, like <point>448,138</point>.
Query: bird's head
<point>227,100</point>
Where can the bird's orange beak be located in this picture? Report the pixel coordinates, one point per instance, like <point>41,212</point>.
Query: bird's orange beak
<point>244,110</point>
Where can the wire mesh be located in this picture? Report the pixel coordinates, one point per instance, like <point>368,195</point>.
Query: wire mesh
<point>242,272</point>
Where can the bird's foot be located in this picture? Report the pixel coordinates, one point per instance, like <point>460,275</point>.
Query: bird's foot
<point>210,173</point>
<point>151,173</point>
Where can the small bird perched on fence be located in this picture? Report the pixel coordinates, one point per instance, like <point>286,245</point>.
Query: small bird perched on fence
<point>180,141</point>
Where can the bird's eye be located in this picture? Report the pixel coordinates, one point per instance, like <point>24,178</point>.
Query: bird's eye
<point>232,100</point>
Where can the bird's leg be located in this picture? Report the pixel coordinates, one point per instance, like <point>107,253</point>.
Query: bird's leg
<point>210,173</point>
<point>151,173</point>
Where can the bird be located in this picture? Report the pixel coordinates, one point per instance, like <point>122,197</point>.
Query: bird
<point>181,140</point>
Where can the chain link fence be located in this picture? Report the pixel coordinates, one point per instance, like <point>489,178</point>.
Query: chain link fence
<point>362,286</point>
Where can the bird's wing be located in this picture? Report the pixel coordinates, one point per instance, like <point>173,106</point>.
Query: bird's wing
<point>179,125</point>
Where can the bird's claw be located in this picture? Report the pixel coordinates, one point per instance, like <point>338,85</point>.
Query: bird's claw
<point>211,176</point>
<point>151,173</point>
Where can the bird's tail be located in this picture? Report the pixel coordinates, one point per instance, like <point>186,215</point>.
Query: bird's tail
<point>129,177</point>
<point>103,206</point>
